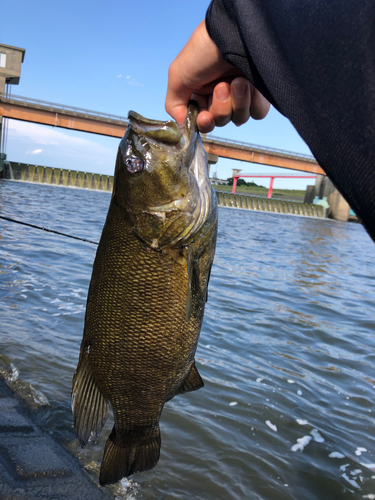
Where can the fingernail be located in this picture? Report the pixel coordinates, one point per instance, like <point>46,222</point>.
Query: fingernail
<point>240,89</point>
<point>222,93</point>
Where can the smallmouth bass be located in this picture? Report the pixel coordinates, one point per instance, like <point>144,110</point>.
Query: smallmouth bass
<point>147,292</point>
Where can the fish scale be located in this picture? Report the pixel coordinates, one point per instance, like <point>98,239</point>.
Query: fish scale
<point>147,294</point>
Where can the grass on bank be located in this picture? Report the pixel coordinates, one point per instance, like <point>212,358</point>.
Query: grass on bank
<point>262,191</point>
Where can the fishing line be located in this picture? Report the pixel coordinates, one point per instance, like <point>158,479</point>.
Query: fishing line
<point>48,230</point>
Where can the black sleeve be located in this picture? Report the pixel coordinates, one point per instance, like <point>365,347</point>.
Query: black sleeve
<point>314,60</point>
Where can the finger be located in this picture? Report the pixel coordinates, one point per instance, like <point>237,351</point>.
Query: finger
<point>178,96</point>
<point>221,107</point>
<point>205,122</point>
<point>259,105</point>
<point>201,100</point>
<point>241,98</point>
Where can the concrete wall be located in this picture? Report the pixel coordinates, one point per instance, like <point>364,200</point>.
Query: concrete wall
<point>58,176</point>
<point>269,205</point>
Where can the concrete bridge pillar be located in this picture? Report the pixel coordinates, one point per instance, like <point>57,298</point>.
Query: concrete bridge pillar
<point>338,207</point>
<point>212,159</point>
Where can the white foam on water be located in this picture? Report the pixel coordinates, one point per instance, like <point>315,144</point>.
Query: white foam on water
<point>351,481</point>
<point>125,489</point>
<point>300,421</point>
<point>301,443</point>
<point>259,379</point>
<point>344,467</point>
<point>317,437</point>
<point>336,454</point>
<point>14,374</point>
<point>355,472</point>
<point>369,466</point>
<point>39,397</point>
<point>371,496</point>
<point>22,389</point>
<point>271,425</point>
<point>299,392</point>
<point>290,381</point>
<point>359,451</point>
<point>233,403</point>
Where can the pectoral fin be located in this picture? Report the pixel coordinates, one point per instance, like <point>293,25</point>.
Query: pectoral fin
<point>89,405</point>
<point>184,257</point>
<point>208,280</point>
<point>189,299</point>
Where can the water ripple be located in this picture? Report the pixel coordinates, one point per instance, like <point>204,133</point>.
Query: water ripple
<point>287,350</point>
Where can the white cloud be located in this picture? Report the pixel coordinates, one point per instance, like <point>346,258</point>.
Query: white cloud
<point>61,149</point>
<point>133,81</point>
<point>119,76</point>
<point>51,136</point>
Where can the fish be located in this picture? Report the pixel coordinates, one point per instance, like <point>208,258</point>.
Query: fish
<point>147,292</point>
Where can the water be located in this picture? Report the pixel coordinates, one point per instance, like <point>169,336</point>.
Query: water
<point>286,351</point>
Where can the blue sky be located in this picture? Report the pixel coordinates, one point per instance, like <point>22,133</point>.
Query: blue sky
<point>112,57</point>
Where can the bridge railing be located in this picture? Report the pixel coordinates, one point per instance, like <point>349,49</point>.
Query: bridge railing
<point>61,108</point>
<point>257,147</point>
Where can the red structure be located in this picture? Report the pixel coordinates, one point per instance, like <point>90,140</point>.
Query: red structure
<point>272,177</point>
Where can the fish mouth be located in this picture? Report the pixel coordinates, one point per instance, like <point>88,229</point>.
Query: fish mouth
<point>165,132</point>
<point>172,220</point>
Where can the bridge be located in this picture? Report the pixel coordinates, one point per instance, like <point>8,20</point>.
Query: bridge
<point>57,115</point>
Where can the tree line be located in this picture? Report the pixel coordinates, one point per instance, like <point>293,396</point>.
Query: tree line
<point>242,182</point>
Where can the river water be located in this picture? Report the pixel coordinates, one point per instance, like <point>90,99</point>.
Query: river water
<point>286,351</point>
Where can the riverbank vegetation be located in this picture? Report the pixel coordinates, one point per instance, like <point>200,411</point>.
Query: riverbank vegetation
<point>263,191</point>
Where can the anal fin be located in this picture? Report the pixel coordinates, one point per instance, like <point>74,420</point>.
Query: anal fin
<point>89,405</point>
<point>193,382</point>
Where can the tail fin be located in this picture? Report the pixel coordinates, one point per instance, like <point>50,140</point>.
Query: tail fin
<point>124,457</point>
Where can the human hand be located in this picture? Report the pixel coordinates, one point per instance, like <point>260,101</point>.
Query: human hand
<point>199,72</point>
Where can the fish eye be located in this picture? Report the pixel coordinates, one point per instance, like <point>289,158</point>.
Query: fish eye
<point>134,164</point>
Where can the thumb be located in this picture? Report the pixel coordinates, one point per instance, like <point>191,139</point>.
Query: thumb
<point>178,96</point>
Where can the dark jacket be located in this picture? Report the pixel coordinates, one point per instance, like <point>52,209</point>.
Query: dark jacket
<point>314,60</point>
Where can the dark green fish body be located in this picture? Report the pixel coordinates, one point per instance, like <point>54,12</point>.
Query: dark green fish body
<point>147,293</point>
